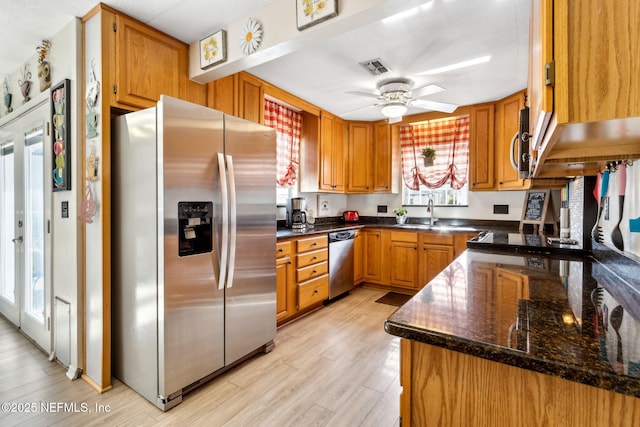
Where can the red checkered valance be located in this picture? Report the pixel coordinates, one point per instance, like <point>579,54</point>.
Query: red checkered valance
<point>450,138</point>
<point>288,126</point>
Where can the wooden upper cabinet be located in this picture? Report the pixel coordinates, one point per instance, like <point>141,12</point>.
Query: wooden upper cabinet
<point>222,94</point>
<point>332,151</point>
<point>359,158</point>
<point>583,69</point>
<point>148,64</point>
<point>508,118</point>
<point>481,148</point>
<point>382,158</point>
<point>250,98</point>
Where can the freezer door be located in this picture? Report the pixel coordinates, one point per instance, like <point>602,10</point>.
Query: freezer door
<point>190,306</point>
<point>250,314</point>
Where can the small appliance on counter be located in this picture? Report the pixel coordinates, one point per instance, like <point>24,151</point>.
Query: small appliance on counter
<point>296,213</point>
<point>350,216</point>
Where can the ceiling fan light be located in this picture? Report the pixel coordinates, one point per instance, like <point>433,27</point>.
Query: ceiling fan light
<point>394,109</point>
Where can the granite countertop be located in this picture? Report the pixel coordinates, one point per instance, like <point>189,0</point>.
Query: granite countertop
<point>560,315</point>
<point>414,224</point>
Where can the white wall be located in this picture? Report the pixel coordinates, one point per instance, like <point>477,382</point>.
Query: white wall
<point>480,205</point>
<point>64,58</point>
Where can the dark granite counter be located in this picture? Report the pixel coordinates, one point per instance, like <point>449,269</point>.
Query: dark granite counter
<point>414,224</point>
<point>566,316</point>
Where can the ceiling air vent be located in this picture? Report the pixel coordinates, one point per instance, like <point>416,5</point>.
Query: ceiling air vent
<point>375,66</point>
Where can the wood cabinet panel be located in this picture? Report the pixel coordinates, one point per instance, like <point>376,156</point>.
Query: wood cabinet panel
<point>312,243</point>
<point>382,158</point>
<point>315,270</point>
<point>313,257</point>
<point>372,255</point>
<point>403,264</point>
<point>313,292</point>
<point>222,95</point>
<point>358,258</point>
<point>433,259</point>
<point>359,158</point>
<point>447,388</point>
<point>250,98</point>
<point>285,288</point>
<point>332,153</point>
<point>148,64</point>
<point>508,118</point>
<point>481,147</point>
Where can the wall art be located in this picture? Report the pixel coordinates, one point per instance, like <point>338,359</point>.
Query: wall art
<point>60,117</point>
<point>312,12</point>
<point>213,49</point>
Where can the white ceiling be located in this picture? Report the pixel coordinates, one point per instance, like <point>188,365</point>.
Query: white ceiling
<point>440,33</point>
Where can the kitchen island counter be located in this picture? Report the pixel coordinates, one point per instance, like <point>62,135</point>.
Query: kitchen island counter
<point>566,318</point>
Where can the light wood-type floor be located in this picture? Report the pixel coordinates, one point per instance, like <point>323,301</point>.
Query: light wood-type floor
<point>335,367</point>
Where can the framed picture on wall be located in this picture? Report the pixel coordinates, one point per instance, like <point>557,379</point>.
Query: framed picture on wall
<point>213,49</point>
<point>61,138</point>
<point>312,12</point>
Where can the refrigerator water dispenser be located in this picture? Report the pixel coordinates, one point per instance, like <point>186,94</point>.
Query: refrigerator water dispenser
<point>194,228</point>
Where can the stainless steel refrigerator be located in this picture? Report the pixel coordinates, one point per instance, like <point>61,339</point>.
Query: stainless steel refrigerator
<point>193,246</point>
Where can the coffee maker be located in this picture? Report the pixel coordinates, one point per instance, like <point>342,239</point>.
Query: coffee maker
<point>296,215</point>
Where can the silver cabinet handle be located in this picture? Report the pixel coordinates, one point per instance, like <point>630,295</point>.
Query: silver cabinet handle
<point>17,239</point>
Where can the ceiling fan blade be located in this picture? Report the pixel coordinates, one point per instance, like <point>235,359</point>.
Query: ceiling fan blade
<point>426,90</point>
<point>368,94</point>
<point>435,106</point>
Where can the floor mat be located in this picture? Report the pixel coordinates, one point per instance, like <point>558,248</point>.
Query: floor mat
<point>394,298</point>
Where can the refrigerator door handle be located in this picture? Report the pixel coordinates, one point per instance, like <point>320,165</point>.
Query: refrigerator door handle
<point>232,222</point>
<point>224,246</point>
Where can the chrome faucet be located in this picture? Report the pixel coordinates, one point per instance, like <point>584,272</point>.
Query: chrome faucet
<point>430,208</point>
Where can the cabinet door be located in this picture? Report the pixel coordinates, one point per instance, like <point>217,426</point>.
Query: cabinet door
<point>358,258</point>
<point>373,255</point>
<point>481,148</point>
<point>540,94</point>
<point>382,167</point>
<point>359,158</point>
<point>404,264</point>
<point>222,95</point>
<point>250,98</point>
<point>148,64</point>
<point>285,289</point>
<point>331,177</point>
<point>508,112</point>
<point>433,259</point>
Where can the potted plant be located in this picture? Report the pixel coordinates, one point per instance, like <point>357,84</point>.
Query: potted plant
<point>428,155</point>
<point>401,215</point>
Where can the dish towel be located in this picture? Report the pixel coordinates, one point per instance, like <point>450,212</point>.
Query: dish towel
<point>630,224</point>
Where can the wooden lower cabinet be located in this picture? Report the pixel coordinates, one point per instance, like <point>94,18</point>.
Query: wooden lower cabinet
<point>403,264</point>
<point>436,252</point>
<point>442,387</point>
<point>302,275</point>
<point>285,282</point>
<point>358,258</point>
<point>372,256</point>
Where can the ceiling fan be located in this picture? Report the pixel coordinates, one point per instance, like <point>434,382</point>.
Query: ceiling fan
<point>396,96</point>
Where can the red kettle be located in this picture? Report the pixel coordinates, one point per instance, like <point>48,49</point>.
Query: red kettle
<point>350,216</point>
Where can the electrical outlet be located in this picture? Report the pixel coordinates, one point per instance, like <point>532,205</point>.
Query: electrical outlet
<point>382,208</point>
<point>323,205</point>
<point>501,209</point>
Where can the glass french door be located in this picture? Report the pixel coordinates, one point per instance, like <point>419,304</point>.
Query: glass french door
<point>25,291</point>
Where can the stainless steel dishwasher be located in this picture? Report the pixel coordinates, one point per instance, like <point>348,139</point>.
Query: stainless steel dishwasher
<point>340,262</point>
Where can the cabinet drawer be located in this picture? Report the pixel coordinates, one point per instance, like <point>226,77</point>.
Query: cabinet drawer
<point>312,243</point>
<point>404,236</point>
<point>283,249</point>
<point>314,257</point>
<point>313,292</point>
<point>437,238</point>
<point>312,271</point>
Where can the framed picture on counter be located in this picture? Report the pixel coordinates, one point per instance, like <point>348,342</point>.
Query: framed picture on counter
<point>312,12</point>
